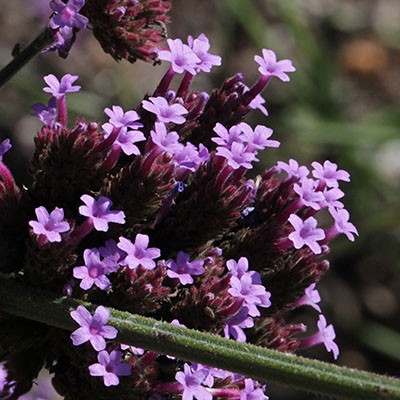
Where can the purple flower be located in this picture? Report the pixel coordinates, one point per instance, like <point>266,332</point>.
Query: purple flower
<point>257,102</point>
<point>200,47</point>
<point>306,233</point>
<point>331,198</point>
<point>5,145</point>
<point>99,212</point>
<point>181,57</point>
<point>293,169</point>
<point>48,115</point>
<point>183,270</point>
<point>270,67</point>
<point>234,325</point>
<point>94,271</point>
<point>257,139</point>
<point>92,329</point>
<point>310,298</point>
<point>60,88</point>
<point>326,335</point>
<point>191,382</point>
<point>111,250</point>
<point>67,16</point>
<point>49,225</point>
<point>110,367</point>
<point>165,141</point>
<point>227,138</point>
<point>342,224</point>
<point>138,253</point>
<point>134,350</point>
<point>241,267</point>
<point>237,156</point>
<point>188,157</point>
<point>249,393</point>
<point>121,119</point>
<point>3,378</point>
<point>253,295</point>
<point>329,173</point>
<point>309,197</point>
<point>165,112</point>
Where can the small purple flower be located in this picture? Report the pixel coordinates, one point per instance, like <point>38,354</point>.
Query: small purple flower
<point>191,382</point>
<point>270,67</point>
<point>94,271</point>
<point>293,169</point>
<point>188,157</point>
<point>67,16</point>
<point>165,141</point>
<point>183,270</point>
<point>310,298</point>
<point>49,225</point>
<point>134,350</point>
<point>200,47</point>
<point>111,249</point>
<point>257,102</point>
<point>227,138</point>
<point>165,112</point>
<point>138,253</point>
<point>342,224</point>
<point>59,89</point>
<point>48,115</point>
<point>309,197</point>
<point>181,57</point>
<point>99,212</point>
<point>5,145</point>
<point>249,393</point>
<point>237,156</point>
<point>92,329</point>
<point>326,335</point>
<point>234,325</point>
<point>110,367</point>
<point>331,198</point>
<point>253,295</point>
<point>329,173</point>
<point>257,139</point>
<point>121,119</point>
<point>306,233</point>
<point>241,267</point>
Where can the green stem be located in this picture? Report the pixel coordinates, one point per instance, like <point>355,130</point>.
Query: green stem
<point>44,40</point>
<point>252,361</point>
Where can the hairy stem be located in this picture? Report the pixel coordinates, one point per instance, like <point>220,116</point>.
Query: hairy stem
<point>252,361</point>
<point>44,40</point>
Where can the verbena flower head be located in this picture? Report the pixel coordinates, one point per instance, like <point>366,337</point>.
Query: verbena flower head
<point>138,253</point>
<point>165,112</point>
<point>181,57</point>
<point>110,367</point>
<point>270,67</point>
<point>99,212</point>
<point>5,145</point>
<point>58,88</point>
<point>94,271</point>
<point>92,328</point>
<point>49,225</point>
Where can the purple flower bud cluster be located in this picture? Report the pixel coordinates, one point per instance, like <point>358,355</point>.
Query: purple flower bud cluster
<point>151,212</point>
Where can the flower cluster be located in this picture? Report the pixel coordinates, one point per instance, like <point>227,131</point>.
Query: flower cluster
<point>151,212</point>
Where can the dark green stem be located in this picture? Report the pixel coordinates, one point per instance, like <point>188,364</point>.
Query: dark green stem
<point>252,361</point>
<point>43,41</point>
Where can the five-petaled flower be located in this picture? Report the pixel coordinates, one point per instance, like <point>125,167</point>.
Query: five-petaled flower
<point>270,67</point>
<point>59,89</point>
<point>165,112</point>
<point>192,383</point>
<point>183,270</point>
<point>109,366</point>
<point>49,225</point>
<point>99,212</point>
<point>92,328</point>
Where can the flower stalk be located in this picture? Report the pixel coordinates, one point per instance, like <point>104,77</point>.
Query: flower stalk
<point>258,363</point>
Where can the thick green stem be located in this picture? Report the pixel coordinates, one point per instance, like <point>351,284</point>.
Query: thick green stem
<point>43,41</point>
<point>252,361</point>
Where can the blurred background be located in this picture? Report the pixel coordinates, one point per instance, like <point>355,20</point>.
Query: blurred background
<point>342,104</point>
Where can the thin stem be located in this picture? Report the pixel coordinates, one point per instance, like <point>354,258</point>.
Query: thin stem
<point>252,361</point>
<point>43,41</point>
